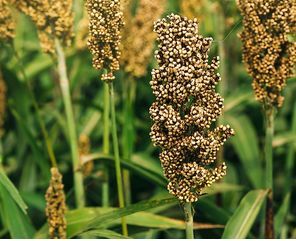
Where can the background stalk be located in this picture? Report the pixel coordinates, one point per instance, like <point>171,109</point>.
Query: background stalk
<point>65,88</point>
<point>106,145</point>
<point>269,122</point>
<point>128,133</point>
<point>189,220</point>
<point>117,157</point>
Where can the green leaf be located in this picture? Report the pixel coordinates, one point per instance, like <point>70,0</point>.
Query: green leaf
<point>239,225</point>
<point>107,218</point>
<point>103,233</point>
<point>17,222</point>
<point>133,167</point>
<point>245,143</point>
<point>221,187</point>
<point>232,102</point>
<point>281,215</point>
<point>284,138</point>
<point>13,192</point>
<point>212,211</point>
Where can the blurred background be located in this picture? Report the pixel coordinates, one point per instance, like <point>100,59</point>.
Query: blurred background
<point>26,161</point>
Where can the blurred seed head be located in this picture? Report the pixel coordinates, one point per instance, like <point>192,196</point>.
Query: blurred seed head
<point>84,149</point>
<point>185,108</point>
<point>268,54</point>
<point>56,206</point>
<point>105,23</point>
<point>192,8</point>
<point>53,18</point>
<point>138,37</point>
<point>7,24</point>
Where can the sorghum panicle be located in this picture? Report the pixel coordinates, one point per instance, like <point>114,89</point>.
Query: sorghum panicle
<point>139,38</point>
<point>7,24</point>
<point>53,18</point>
<point>267,52</point>
<point>56,206</point>
<point>106,21</point>
<point>2,103</point>
<point>185,108</point>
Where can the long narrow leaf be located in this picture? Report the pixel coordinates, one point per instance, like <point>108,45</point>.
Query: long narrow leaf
<point>245,215</point>
<point>13,192</point>
<point>17,222</point>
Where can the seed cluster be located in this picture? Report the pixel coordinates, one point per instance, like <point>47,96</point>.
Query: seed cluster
<point>53,18</point>
<point>2,103</point>
<point>185,108</point>
<point>267,53</point>
<point>106,21</point>
<point>56,206</point>
<point>7,24</point>
<point>138,39</point>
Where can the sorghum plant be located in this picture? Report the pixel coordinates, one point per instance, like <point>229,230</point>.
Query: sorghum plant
<point>269,57</point>
<point>105,24</point>
<point>185,108</point>
<point>54,21</point>
<point>268,54</point>
<point>56,206</point>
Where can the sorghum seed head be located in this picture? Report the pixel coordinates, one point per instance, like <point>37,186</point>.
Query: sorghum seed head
<point>138,37</point>
<point>7,24</point>
<point>267,53</point>
<point>106,21</point>
<point>53,18</point>
<point>186,106</point>
<point>56,206</point>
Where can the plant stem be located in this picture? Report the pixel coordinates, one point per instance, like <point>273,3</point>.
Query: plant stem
<point>106,145</point>
<point>269,122</point>
<point>290,156</point>
<point>128,132</point>
<point>117,158</point>
<point>189,220</point>
<point>65,88</point>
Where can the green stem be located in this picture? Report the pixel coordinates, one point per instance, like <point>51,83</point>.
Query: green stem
<point>221,50</point>
<point>189,220</point>
<point>290,156</point>
<point>269,122</point>
<point>65,88</point>
<point>106,145</point>
<point>117,158</point>
<point>128,132</point>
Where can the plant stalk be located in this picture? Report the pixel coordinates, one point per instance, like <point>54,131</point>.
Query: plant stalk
<point>106,145</point>
<point>128,133</point>
<point>269,122</point>
<point>117,158</point>
<point>189,220</point>
<point>65,88</point>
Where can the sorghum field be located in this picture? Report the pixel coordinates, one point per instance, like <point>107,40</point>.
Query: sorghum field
<point>147,119</point>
